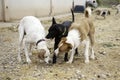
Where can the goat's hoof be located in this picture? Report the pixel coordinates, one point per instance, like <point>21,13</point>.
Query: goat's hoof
<point>19,60</point>
<point>86,61</point>
<point>69,62</point>
<point>92,57</point>
<point>30,54</point>
<point>29,61</point>
<point>65,59</point>
<point>54,62</point>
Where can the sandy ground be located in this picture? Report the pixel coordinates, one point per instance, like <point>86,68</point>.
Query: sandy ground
<point>106,66</point>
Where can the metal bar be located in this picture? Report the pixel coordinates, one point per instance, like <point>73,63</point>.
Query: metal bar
<point>6,11</point>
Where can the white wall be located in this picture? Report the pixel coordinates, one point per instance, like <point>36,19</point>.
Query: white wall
<point>16,9</point>
<point>20,8</point>
<point>61,6</point>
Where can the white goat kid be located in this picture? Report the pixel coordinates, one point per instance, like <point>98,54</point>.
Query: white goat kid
<point>31,31</point>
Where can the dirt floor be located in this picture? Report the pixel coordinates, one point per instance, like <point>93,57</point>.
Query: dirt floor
<point>106,66</point>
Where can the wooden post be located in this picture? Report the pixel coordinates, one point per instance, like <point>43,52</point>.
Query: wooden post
<point>6,11</point>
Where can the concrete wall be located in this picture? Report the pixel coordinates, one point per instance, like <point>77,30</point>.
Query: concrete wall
<point>20,8</point>
<point>61,6</point>
<point>16,9</point>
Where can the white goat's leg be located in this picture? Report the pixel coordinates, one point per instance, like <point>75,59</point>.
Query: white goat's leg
<point>86,51</point>
<point>26,51</point>
<point>30,47</point>
<point>56,52</point>
<point>21,36</point>
<point>92,54</point>
<point>71,56</point>
<point>19,52</point>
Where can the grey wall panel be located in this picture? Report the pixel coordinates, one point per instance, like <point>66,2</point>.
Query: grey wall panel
<point>79,2</point>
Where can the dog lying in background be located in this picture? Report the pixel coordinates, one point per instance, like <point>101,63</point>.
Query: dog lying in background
<point>31,32</point>
<point>102,12</point>
<point>116,7</point>
<point>58,31</point>
<point>79,33</point>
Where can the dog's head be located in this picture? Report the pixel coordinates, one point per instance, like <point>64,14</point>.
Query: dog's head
<point>55,30</point>
<point>105,12</point>
<point>52,30</point>
<point>44,55</point>
<point>63,46</point>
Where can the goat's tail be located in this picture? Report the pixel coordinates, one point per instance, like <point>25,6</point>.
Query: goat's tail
<point>21,34</point>
<point>88,12</point>
<point>73,17</point>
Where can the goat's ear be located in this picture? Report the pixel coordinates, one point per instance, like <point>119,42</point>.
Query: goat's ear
<point>63,39</point>
<point>41,53</point>
<point>53,21</point>
<point>69,46</point>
